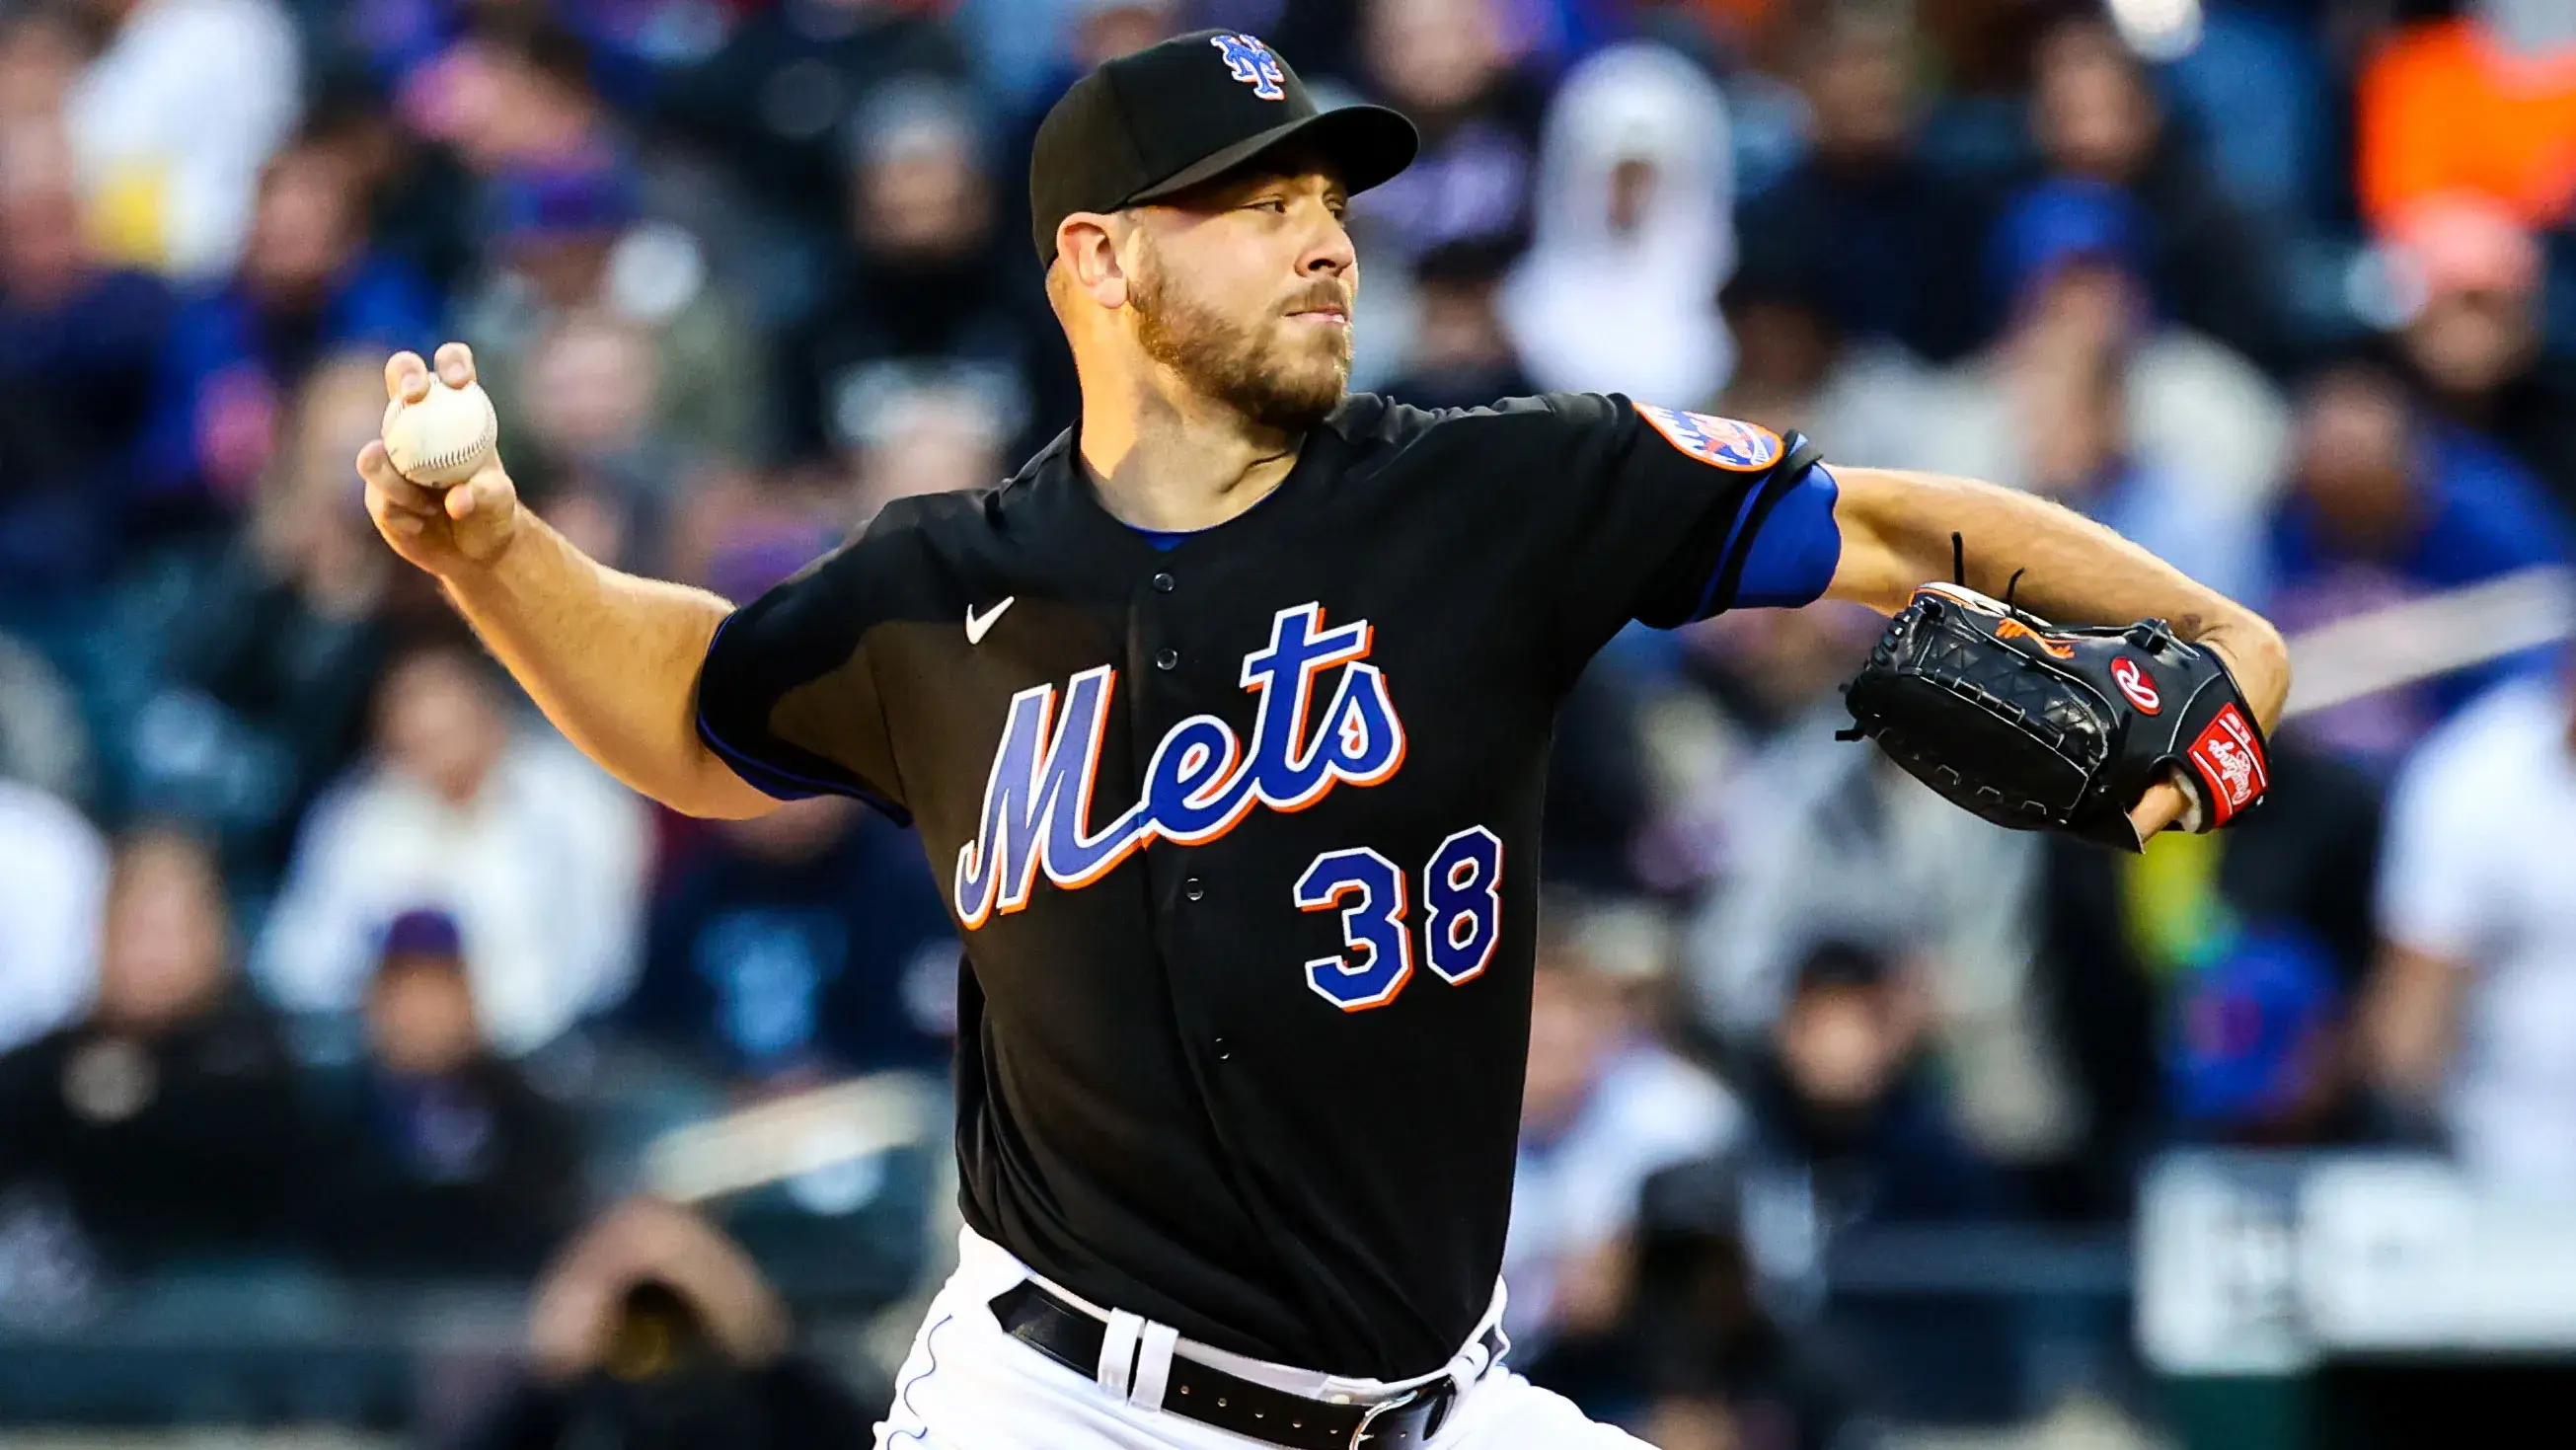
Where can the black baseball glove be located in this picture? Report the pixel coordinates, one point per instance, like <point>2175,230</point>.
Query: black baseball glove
<point>2040,728</point>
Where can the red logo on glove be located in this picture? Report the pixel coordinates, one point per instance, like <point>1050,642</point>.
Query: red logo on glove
<point>2133,682</point>
<point>2230,762</point>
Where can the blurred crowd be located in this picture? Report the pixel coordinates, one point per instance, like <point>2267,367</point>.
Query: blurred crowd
<point>316,941</point>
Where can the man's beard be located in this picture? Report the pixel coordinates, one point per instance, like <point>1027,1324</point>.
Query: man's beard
<point>1228,362</point>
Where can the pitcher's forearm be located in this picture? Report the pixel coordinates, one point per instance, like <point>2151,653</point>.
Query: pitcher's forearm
<point>1897,530</point>
<point>613,661</point>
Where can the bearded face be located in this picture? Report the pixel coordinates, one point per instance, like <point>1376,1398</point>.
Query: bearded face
<point>1270,358</point>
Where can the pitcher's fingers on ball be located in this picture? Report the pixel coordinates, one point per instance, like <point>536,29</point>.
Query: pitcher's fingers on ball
<point>469,497</point>
<point>456,364</point>
<point>406,377</point>
<point>393,517</point>
<point>377,468</point>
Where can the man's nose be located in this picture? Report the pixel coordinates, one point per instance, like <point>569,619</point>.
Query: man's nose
<point>1331,253</point>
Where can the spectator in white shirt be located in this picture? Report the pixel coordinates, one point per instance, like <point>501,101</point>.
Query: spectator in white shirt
<point>2470,1018</point>
<point>537,854</point>
<point>1604,1106</point>
<point>172,122</point>
<point>51,898</point>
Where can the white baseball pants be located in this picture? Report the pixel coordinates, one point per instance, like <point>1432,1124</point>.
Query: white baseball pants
<point>969,1386</point>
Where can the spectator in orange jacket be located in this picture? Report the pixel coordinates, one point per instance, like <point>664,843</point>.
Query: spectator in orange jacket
<point>2485,103</point>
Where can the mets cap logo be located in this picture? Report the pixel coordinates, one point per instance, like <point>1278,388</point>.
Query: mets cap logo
<point>1254,64</point>
<point>1720,442</point>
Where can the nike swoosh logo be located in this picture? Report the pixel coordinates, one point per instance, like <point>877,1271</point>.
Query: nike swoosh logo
<point>977,626</point>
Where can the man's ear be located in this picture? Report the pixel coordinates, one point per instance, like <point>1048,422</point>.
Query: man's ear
<point>1086,246</point>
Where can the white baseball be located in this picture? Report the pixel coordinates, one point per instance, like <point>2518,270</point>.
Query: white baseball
<point>444,437</point>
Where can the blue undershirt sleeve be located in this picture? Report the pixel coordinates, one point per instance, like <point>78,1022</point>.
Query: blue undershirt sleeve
<point>1792,560</point>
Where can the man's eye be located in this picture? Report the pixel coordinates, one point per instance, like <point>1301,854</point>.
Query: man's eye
<point>1271,204</point>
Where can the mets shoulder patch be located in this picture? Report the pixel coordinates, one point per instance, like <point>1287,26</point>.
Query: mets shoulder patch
<point>1719,442</point>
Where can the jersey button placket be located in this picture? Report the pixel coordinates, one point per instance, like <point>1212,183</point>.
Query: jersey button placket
<point>1161,701</point>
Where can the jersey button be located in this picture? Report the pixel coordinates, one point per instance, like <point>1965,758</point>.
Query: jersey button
<point>1166,658</point>
<point>1223,1052</point>
<point>1194,888</point>
<point>1164,583</point>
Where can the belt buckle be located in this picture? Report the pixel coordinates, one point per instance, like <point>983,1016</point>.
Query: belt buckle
<point>1405,1401</point>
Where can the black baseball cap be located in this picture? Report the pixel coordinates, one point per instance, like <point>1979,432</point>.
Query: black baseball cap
<point>1188,109</point>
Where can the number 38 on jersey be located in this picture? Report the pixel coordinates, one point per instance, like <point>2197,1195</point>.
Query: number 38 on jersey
<point>1462,918</point>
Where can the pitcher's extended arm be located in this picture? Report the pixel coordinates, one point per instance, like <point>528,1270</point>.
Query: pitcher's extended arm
<point>612,659</point>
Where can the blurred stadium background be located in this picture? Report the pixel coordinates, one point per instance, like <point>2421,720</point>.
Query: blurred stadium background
<point>375,1072</point>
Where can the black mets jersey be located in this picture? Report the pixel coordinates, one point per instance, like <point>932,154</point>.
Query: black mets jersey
<point>1241,829</point>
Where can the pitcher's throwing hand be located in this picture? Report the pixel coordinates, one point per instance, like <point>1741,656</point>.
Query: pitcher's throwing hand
<point>443,530</point>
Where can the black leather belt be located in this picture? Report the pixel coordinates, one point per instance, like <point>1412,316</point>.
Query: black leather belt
<point>1064,1333</point>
